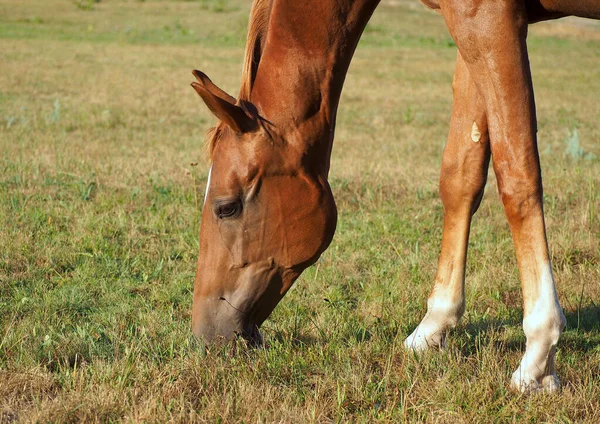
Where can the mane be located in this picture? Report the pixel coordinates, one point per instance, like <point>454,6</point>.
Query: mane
<point>257,31</point>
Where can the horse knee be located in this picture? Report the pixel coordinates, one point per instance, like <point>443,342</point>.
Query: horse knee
<point>520,198</point>
<point>461,189</point>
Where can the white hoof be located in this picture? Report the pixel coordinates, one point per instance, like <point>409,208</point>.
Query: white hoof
<point>427,335</point>
<point>524,382</point>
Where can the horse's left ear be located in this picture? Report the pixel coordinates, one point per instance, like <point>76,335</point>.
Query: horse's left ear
<point>222,105</point>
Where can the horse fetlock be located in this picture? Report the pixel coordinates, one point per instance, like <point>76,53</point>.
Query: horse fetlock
<point>544,324</point>
<point>444,308</point>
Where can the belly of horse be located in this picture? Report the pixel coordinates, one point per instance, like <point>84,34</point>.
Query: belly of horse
<point>543,10</point>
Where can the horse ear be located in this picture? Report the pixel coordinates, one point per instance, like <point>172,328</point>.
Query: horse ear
<point>222,105</point>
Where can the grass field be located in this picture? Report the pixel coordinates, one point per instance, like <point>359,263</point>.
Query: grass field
<point>102,173</point>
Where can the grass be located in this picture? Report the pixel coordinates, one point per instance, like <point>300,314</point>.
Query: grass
<point>101,179</point>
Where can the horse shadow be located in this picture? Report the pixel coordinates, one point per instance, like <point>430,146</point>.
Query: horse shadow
<point>581,335</point>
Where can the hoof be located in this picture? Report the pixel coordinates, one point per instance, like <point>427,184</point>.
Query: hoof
<point>523,382</point>
<point>426,336</point>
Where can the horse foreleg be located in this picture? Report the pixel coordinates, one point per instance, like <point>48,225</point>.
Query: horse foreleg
<point>462,181</point>
<point>491,36</point>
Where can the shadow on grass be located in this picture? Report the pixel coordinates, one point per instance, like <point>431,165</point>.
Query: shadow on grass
<point>581,335</point>
<point>299,340</point>
<point>485,331</point>
<point>583,330</point>
<point>586,319</point>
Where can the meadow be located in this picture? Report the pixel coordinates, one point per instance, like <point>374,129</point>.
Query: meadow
<point>102,174</point>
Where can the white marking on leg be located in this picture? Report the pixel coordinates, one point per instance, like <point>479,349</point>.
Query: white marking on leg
<point>475,133</point>
<point>542,325</point>
<point>207,185</point>
<point>443,313</point>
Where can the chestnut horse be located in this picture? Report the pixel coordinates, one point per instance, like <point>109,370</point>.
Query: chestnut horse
<point>269,211</point>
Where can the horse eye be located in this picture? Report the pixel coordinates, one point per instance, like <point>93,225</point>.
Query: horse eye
<point>227,209</point>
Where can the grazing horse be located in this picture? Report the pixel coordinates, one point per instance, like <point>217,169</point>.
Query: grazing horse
<point>269,211</point>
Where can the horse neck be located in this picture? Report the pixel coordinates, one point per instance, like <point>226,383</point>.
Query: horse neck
<point>304,60</point>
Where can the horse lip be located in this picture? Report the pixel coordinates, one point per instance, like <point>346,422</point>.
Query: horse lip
<point>242,315</point>
<point>249,329</point>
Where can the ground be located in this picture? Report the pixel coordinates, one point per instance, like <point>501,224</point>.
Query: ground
<point>102,174</point>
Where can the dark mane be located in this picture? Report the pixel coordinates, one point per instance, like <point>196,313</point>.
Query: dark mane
<point>257,31</point>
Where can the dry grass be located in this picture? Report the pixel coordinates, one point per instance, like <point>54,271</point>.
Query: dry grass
<point>99,213</point>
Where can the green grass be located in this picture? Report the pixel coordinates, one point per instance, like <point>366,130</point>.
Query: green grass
<point>100,205</point>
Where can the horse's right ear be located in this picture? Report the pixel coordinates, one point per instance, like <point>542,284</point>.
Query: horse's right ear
<point>222,105</point>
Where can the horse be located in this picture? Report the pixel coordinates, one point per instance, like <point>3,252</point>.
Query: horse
<point>269,211</point>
